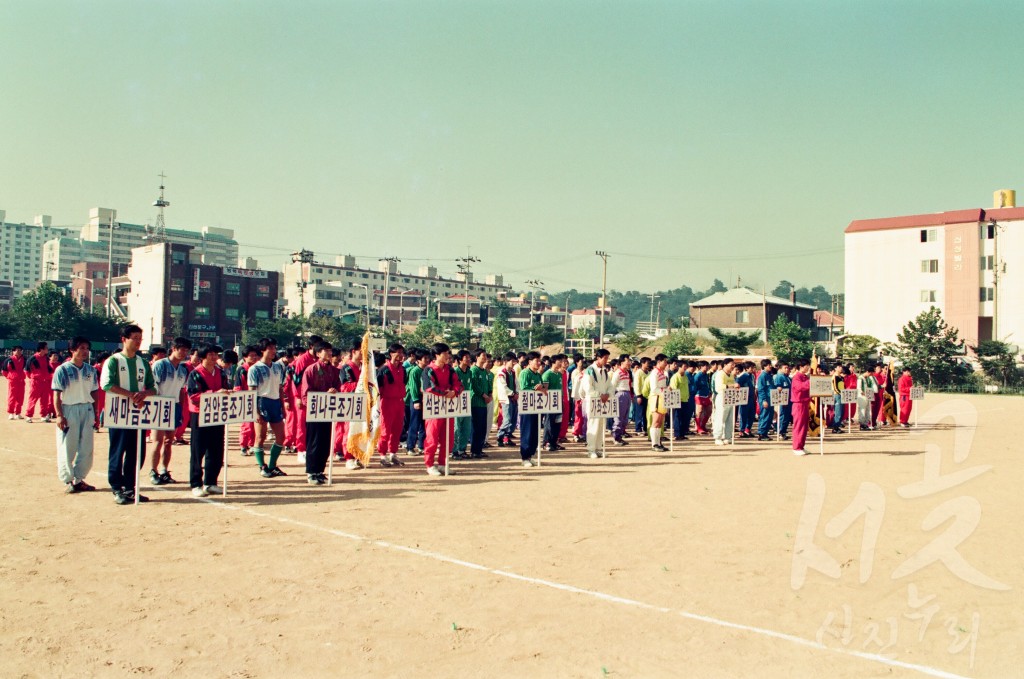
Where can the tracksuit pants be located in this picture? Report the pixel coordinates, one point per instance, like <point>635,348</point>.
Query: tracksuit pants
<point>801,415</point>
<point>15,396</point>
<point>479,417</point>
<point>624,399</point>
<point>414,435</point>
<point>75,446</point>
<point>206,453</point>
<point>318,446</point>
<point>764,420</point>
<point>528,441</point>
<point>122,462</point>
<point>435,450</point>
<point>392,414</point>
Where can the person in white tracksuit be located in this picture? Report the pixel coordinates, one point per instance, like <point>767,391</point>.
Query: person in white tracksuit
<point>598,383</point>
<point>723,417</point>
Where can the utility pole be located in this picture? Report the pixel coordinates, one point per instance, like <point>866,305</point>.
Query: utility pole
<point>465,268</point>
<point>996,270</point>
<point>653,297</point>
<point>535,285</point>
<point>604,295</point>
<point>565,322</point>
<point>110,265</point>
<point>387,277</point>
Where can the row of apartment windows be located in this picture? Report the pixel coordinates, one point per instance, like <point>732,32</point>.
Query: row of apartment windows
<point>984,295</point>
<point>986,263</point>
<point>985,232</point>
<point>204,312</point>
<point>178,285</point>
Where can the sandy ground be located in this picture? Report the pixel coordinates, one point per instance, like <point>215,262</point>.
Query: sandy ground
<point>639,565</point>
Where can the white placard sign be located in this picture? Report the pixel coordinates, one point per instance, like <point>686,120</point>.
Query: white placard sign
<point>532,402</point>
<point>438,407</point>
<point>597,408</point>
<point>672,399</point>
<point>157,412</point>
<point>341,407</point>
<point>847,396</point>
<point>734,397</point>
<point>779,397</point>
<point>821,385</point>
<point>917,393</point>
<point>231,408</point>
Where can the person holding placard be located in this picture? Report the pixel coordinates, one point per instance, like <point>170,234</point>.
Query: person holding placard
<point>530,379</point>
<point>765,385</point>
<point>867,387</point>
<point>553,421</point>
<point>206,443</point>
<point>75,387</point>
<point>169,376</point>
<point>481,380</point>
<point>349,374</point>
<point>724,421</point>
<point>905,384</point>
<point>127,374</point>
<point>391,383</point>
<point>267,377</point>
<point>657,381</point>
<point>800,402</point>
<point>681,418</point>
<point>783,381</point>
<point>321,376</point>
<point>598,384</point>
<point>439,379</point>
<point>747,411</point>
<point>838,384</point>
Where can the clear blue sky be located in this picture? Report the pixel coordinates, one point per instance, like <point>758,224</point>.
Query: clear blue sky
<point>717,138</point>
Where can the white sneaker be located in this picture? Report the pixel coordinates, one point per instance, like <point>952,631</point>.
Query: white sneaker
<point>28,420</point>
<point>302,457</point>
<point>351,464</point>
<point>10,417</point>
<point>199,492</point>
<point>338,458</point>
<point>213,490</point>
<point>527,463</point>
<point>47,419</point>
<point>719,442</point>
<point>434,471</point>
<point>593,455</point>
<point>800,452</point>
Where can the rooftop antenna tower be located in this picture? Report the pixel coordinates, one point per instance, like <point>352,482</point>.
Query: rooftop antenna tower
<point>159,235</point>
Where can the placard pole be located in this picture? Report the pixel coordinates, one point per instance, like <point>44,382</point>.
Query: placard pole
<point>732,436</point>
<point>447,453</point>
<point>330,455</point>
<point>821,428</point>
<point>224,488</point>
<point>139,436</point>
<point>671,433</point>
<point>849,419</point>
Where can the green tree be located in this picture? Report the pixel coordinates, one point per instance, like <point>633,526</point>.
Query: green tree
<point>736,344</point>
<point>783,289</point>
<point>426,334</point>
<point>498,340</point>
<point>98,328</point>
<point>285,331</point>
<point>45,313</point>
<point>932,349</point>
<point>681,343</point>
<point>632,343</point>
<point>861,350</point>
<point>998,362</point>
<point>789,341</point>
<point>458,337</point>
<point>544,333</point>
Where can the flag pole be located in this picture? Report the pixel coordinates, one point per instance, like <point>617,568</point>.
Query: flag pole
<point>330,456</point>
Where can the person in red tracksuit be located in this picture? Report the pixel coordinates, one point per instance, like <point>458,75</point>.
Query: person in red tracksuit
<point>439,379</point>
<point>903,385</point>
<point>391,382</point>
<point>14,371</point>
<point>299,365</point>
<point>37,369</point>
<point>348,374</point>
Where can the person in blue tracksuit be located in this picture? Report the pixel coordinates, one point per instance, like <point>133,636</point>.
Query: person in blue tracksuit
<point>782,381</point>
<point>765,385</point>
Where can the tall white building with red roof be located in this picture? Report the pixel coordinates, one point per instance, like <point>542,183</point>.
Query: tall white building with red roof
<point>968,263</point>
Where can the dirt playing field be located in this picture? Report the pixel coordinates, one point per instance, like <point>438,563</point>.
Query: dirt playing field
<point>643,564</point>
